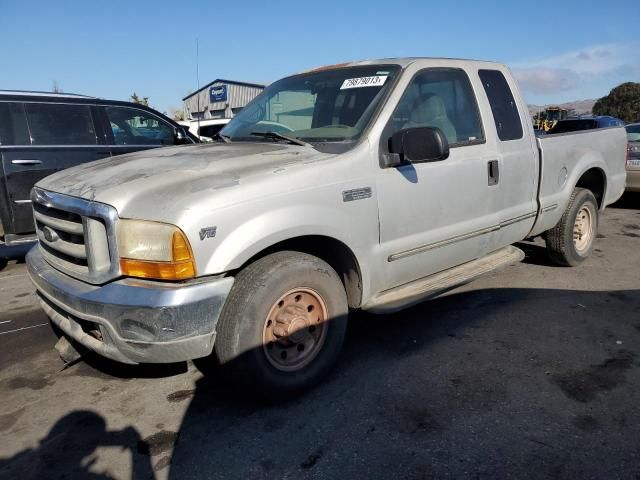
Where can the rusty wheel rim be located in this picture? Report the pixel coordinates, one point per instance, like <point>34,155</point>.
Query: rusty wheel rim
<point>583,229</point>
<point>295,329</point>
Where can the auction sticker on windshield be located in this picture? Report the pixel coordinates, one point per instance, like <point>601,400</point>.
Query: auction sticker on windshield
<point>376,81</point>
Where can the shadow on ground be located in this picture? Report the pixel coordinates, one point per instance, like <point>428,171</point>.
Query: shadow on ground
<point>486,383</point>
<point>630,200</point>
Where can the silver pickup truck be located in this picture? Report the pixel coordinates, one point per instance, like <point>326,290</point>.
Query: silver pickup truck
<point>371,185</point>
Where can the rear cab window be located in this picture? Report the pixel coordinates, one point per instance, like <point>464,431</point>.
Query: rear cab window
<point>503,105</point>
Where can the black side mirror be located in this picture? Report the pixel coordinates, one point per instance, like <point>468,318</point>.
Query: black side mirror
<point>181,137</point>
<point>421,144</point>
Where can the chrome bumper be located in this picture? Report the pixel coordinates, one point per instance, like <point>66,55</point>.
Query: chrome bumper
<point>129,320</point>
<point>633,181</point>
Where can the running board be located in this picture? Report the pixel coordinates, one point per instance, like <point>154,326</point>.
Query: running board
<point>428,287</point>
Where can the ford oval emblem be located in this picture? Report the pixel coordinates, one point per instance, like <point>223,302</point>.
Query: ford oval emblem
<point>49,234</point>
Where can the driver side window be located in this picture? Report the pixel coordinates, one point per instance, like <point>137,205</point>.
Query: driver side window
<point>131,126</point>
<point>440,98</point>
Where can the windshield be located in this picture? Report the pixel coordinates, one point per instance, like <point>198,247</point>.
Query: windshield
<point>633,133</point>
<point>321,106</point>
<point>553,115</point>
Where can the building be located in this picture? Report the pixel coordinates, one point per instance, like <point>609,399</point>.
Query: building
<point>220,99</point>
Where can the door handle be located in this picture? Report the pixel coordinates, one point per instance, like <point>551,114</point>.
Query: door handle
<point>493,171</point>
<point>26,162</point>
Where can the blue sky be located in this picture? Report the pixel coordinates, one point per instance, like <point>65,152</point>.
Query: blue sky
<point>560,51</point>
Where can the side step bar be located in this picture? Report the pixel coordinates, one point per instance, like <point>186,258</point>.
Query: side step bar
<point>425,288</point>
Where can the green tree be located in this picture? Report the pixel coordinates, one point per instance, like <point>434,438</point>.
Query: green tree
<point>141,100</point>
<point>622,102</point>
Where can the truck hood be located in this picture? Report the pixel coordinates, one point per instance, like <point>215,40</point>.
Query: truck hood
<point>164,176</point>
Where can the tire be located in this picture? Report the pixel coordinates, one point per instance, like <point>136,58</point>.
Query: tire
<point>278,304</point>
<point>564,248</point>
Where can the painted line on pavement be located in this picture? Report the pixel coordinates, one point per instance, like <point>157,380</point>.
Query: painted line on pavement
<point>24,328</point>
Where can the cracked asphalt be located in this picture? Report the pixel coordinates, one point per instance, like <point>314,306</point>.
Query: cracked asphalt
<point>529,372</point>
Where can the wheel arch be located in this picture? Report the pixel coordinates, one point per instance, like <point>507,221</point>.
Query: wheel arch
<point>331,250</point>
<point>595,180</point>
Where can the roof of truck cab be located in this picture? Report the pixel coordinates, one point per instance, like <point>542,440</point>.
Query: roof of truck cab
<point>401,61</point>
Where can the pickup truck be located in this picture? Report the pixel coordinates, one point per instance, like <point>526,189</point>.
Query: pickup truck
<point>371,185</point>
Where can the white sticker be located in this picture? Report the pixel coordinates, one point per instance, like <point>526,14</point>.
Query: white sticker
<point>360,82</point>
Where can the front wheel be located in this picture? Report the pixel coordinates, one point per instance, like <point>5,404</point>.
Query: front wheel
<point>283,324</point>
<point>570,242</point>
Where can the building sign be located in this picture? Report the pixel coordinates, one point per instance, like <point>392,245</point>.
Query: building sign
<point>218,93</point>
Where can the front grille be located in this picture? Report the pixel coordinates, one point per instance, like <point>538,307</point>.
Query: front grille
<point>61,236</point>
<point>76,235</point>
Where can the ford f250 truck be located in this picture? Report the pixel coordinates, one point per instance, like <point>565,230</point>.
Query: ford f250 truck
<point>371,185</point>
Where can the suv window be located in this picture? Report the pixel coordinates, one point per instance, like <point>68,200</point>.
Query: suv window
<point>503,105</point>
<point>13,125</point>
<point>60,124</point>
<point>131,126</point>
<point>440,98</point>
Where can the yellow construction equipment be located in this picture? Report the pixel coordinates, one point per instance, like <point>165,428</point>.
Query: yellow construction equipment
<point>547,119</point>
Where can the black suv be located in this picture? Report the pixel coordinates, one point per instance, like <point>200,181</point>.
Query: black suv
<point>41,133</point>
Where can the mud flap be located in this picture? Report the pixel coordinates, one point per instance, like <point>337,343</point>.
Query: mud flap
<point>70,352</point>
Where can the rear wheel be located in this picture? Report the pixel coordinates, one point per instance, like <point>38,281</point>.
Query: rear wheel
<point>283,324</point>
<point>571,241</point>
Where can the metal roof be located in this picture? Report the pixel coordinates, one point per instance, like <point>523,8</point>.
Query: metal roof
<point>222,80</point>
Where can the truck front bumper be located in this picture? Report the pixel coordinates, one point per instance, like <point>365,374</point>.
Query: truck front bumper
<point>129,320</point>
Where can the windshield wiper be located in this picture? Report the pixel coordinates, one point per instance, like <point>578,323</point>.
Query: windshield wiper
<point>279,136</point>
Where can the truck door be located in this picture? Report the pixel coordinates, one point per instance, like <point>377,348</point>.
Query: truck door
<point>516,164</point>
<point>436,215</point>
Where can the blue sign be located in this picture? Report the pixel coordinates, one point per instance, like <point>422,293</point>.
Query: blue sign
<point>218,93</point>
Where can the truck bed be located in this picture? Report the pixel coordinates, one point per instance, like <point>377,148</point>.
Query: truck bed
<point>565,157</point>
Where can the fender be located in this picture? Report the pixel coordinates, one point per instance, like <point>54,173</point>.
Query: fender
<point>269,227</point>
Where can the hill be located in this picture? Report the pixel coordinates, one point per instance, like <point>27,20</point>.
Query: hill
<point>580,106</point>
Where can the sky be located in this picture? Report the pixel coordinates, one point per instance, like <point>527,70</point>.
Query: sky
<point>559,51</point>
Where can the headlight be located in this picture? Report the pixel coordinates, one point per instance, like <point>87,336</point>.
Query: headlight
<point>154,250</point>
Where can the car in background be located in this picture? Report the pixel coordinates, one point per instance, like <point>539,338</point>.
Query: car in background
<point>205,130</point>
<point>585,123</point>
<point>42,133</point>
<point>633,157</point>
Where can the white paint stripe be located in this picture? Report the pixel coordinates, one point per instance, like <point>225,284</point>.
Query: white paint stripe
<point>6,321</point>
<point>24,328</point>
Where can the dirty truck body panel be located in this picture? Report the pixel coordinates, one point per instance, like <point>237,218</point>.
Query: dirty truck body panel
<point>401,222</point>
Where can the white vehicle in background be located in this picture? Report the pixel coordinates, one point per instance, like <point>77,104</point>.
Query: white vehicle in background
<point>205,130</point>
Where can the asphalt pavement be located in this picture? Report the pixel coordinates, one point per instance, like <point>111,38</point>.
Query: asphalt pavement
<point>530,372</point>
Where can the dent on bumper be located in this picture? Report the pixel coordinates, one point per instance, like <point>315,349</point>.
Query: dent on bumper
<point>140,321</point>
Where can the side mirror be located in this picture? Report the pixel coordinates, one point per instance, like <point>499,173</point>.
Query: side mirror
<point>416,145</point>
<point>181,137</point>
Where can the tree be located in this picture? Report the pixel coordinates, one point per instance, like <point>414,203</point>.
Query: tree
<point>142,101</point>
<point>622,102</point>
<point>56,88</point>
<point>176,113</point>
